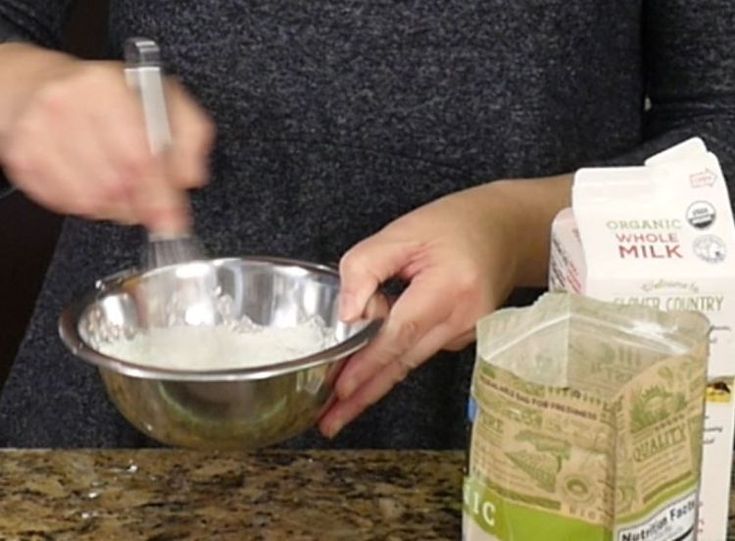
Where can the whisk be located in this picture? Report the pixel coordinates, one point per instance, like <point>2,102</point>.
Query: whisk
<point>143,74</point>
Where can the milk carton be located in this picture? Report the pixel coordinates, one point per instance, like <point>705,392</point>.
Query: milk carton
<point>663,235</point>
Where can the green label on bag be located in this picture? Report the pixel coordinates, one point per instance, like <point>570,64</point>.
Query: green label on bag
<point>510,521</point>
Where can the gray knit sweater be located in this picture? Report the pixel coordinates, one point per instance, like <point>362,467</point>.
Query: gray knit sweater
<point>336,116</point>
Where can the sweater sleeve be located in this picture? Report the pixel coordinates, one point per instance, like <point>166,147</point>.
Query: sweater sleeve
<point>37,21</point>
<point>690,78</point>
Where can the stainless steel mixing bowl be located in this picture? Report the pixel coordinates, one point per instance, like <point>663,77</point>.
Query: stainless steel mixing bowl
<point>241,408</point>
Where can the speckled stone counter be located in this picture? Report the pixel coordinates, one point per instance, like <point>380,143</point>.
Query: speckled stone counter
<point>167,495</point>
<point>171,495</point>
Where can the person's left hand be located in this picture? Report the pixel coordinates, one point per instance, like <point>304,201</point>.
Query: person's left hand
<point>458,255</point>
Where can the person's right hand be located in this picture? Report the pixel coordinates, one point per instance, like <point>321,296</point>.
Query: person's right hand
<point>77,144</point>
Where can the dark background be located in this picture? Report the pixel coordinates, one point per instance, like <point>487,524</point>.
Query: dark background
<point>28,233</point>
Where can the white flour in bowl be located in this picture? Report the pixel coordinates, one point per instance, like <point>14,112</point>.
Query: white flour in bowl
<point>221,347</point>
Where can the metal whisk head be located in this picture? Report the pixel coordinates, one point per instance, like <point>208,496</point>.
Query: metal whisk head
<point>163,250</point>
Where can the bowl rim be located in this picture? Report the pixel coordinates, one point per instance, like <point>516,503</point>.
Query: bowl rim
<point>70,336</point>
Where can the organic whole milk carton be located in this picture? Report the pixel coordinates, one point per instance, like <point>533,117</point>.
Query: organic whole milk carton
<point>586,423</point>
<point>662,235</point>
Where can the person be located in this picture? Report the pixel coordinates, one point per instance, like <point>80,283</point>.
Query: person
<point>430,142</point>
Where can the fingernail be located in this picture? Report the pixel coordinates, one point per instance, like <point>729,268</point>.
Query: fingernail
<point>345,390</point>
<point>334,429</point>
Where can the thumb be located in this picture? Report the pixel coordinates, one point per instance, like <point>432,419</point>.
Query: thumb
<point>365,267</point>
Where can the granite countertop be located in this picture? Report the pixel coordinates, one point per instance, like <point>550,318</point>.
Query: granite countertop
<point>168,495</point>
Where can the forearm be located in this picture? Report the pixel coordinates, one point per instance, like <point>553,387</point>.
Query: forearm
<point>24,67</point>
<point>527,209</point>
<point>539,201</point>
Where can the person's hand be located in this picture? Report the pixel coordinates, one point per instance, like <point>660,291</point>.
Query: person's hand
<point>462,256</point>
<point>459,259</point>
<point>77,144</point>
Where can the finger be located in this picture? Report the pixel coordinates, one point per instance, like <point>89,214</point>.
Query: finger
<point>25,172</point>
<point>36,164</point>
<point>94,167</point>
<point>122,215</point>
<point>50,177</point>
<point>420,308</point>
<point>364,267</point>
<point>156,201</point>
<point>32,184</point>
<point>345,411</point>
<point>119,127</point>
<point>193,135</point>
<point>377,307</point>
<point>163,208</point>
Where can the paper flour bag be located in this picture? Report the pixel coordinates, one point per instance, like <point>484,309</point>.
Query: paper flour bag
<point>662,235</point>
<point>587,423</point>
